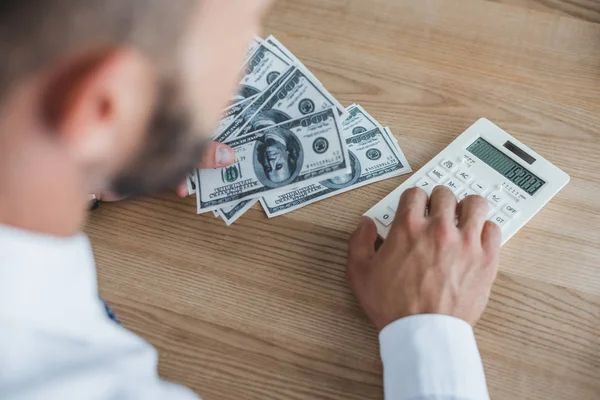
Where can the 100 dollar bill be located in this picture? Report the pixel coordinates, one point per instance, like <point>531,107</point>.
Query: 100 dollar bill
<point>231,213</point>
<point>276,44</point>
<point>373,156</point>
<point>230,114</point>
<point>249,109</point>
<point>260,70</point>
<point>299,94</point>
<point>303,150</point>
<point>296,93</point>
<point>358,121</point>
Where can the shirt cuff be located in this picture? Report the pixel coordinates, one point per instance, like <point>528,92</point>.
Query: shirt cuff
<point>431,356</point>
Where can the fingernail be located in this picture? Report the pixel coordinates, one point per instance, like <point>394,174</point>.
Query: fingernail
<point>225,156</point>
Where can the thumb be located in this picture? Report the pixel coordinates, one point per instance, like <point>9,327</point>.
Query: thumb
<point>217,155</point>
<point>362,242</point>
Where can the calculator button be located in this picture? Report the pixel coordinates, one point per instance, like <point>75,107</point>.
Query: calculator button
<point>453,184</point>
<point>491,210</point>
<point>480,187</point>
<point>465,193</point>
<point>463,176</point>
<point>495,198</point>
<point>386,217</point>
<point>393,205</point>
<point>425,184</point>
<point>500,219</point>
<point>437,174</point>
<point>449,164</point>
<point>510,210</point>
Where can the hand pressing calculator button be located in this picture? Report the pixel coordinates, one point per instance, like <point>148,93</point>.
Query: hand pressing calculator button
<point>483,160</point>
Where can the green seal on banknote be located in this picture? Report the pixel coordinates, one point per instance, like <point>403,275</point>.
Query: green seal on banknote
<point>320,145</point>
<point>373,154</point>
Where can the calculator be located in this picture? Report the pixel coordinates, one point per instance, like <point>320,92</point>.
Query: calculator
<point>487,161</point>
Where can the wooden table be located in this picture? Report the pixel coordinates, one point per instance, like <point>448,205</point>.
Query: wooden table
<point>261,310</point>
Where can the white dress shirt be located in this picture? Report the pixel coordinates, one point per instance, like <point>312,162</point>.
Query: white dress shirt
<point>57,342</point>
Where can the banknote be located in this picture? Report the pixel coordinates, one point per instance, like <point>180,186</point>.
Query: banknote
<point>373,157</point>
<point>389,132</point>
<point>230,214</point>
<point>254,43</point>
<point>358,120</point>
<point>300,94</point>
<point>303,150</point>
<point>190,180</point>
<point>297,93</point>
<point>230,114</point>
<point>240,120</point>
<point>276,44</point>
<point>260,70</point>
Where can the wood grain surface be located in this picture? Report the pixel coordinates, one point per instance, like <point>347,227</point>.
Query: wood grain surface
<point>261,310</point>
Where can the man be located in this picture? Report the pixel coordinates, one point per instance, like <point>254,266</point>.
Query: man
<point>119,96</point>
<point>278,154</point>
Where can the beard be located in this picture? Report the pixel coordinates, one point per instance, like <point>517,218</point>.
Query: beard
<point>170,151</point>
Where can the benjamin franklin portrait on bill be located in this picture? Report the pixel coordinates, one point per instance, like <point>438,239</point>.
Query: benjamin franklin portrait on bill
<point>278,157</point>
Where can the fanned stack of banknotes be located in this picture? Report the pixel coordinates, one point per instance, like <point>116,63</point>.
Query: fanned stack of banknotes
<point>294,143</point>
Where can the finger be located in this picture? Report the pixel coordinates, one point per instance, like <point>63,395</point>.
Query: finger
<point>412,204</point>
<point>218,155</point>
<point>442,204</point>
<point>472,213</point>
<point>491,239</point>
<point>182,189</point>
<point>361,247</point>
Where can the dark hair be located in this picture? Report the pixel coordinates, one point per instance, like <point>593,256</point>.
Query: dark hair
<point>37,33</point>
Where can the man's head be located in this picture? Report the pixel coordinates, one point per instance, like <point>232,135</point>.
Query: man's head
<point>278,155</point>
<point>115,94</point>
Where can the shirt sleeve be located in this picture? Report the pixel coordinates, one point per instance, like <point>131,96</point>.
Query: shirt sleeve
<point>433,357</point>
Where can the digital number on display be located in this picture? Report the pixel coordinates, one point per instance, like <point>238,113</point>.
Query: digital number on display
<point>506,166</point>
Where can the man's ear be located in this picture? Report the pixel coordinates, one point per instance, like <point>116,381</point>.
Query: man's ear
<point>99,105</point>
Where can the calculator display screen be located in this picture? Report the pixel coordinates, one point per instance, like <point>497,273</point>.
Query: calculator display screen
<point>506,166</point>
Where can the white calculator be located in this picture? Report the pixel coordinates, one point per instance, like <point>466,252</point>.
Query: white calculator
<point>485,160</point>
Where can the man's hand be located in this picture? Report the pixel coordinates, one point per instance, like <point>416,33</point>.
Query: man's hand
<point>218,155</point>
<point>429,264</point>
